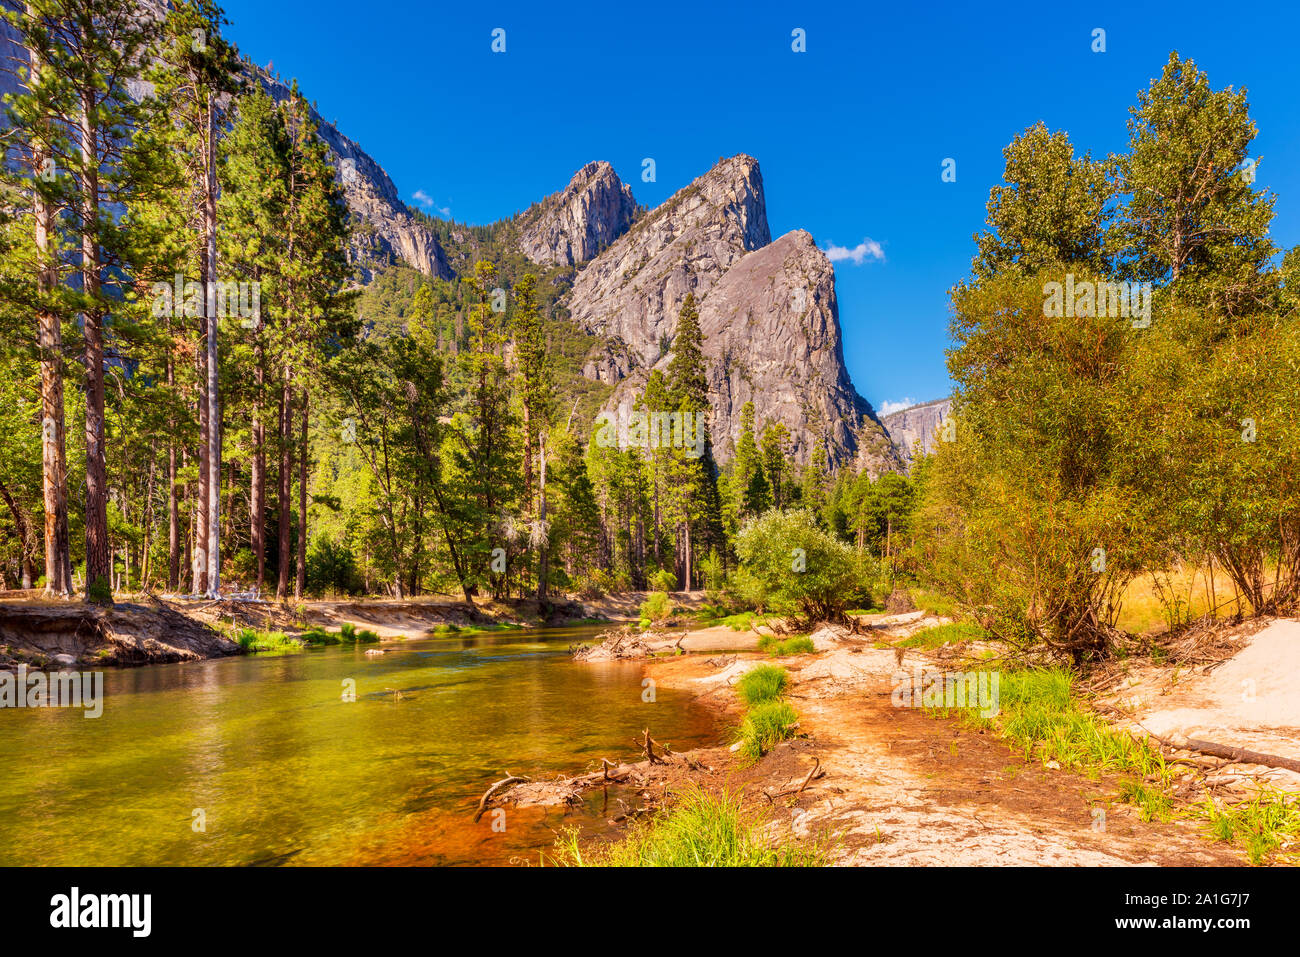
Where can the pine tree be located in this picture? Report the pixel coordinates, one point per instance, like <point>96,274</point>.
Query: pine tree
<point>253,175</point>
<point>33,279</point>
<point>91,51</point>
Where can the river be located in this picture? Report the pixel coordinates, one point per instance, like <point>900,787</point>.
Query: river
<point>262,760</point>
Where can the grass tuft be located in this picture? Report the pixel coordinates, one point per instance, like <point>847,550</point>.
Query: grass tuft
<point>761,684</point>
<point>701,830</point>
<point>765,726</point>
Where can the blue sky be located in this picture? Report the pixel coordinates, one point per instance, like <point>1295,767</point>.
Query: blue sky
<point>850,135</point>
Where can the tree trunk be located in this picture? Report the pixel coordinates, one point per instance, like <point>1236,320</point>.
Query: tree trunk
<point>214,409</point>
<point>199,567</point>
<point>54,455</point>
<point>146,565</point>
<point>257,495</point>
<point>286,485</point>
<point>99,566</point>
<point>300,585</point>
<point>28,569</point>
<point>173,499</point>
<point>543,544</point>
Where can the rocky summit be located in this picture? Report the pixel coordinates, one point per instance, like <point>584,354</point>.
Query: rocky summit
<point>572,226</point>
<point>768,313</point>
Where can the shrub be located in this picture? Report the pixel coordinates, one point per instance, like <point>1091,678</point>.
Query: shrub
<point>663,580</point>
<point>332,568</point>
<point>252,640</point>
<point>316,635</point>
<point>348,633</point>
<point>797,566</point>
<point>656,608</point>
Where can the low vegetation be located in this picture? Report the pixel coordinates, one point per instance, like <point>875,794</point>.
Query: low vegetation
<point>779,647</point>
<point>701,830</point>
<point>941,635</point>
<point>761,684</point>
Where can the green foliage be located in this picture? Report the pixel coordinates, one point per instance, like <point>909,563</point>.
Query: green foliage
<point>701,830</point>
<point>1054,208</point>
<point>781,647</point>
<point>762,684</point>
<point>1261,824</point>
<point>793,566</point>
<point>273,642</point>
<point>941,635</point>
<point>656,608</point>
<point>765,726</point>
<point>331,568</point>
<point>663,580</point>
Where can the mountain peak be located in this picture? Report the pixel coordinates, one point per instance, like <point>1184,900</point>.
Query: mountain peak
<point>574,225</point>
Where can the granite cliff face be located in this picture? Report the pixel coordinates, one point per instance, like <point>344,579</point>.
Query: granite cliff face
<point>631,293</point>
<point>768,314</point>
<point>385,229</point>
<point>573,226</point>
<point>768,310</point>
<point>915,430</point>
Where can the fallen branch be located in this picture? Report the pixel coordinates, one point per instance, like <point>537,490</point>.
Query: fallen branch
<point>487,795</point>
<point>1234,755</point>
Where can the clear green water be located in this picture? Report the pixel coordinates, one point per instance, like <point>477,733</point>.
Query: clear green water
<point>288,772</point>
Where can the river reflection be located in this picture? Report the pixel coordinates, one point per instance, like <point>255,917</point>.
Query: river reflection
<point>258,760</point>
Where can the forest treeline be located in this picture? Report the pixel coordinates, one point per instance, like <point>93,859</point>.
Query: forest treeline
<point>1092,443</point>
<point>197,395</point>
<point>198,392</point>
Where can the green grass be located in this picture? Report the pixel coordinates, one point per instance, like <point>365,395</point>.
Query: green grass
<point>1259,825</point>
<point>865,611</point>
<point>762,684</point>
<point>765,726</point>
<point>797,645</point>
<point>347,634</point>
<point>1039,714</point>
<point>276,642</point>
<point>940,635</point>
<point>701,830</point>
<point>934,602</point>
<point>1153,803</point>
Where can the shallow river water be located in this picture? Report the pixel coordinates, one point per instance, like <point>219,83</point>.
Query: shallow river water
<point>261,760</point>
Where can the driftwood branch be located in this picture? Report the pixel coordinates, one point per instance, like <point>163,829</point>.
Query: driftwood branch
<point>505,782</point>
<point>1238,755</point>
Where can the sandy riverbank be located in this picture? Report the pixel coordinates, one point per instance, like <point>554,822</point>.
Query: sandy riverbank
<point>893,785</point>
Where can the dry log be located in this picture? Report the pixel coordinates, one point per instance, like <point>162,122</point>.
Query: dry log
<point>487,795</point>
<point>1230,754</point>
<point>1241,755</point>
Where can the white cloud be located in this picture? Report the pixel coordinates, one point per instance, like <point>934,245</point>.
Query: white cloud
<point>425,200</point>
<point>867,249</point>
<point>890,406</point>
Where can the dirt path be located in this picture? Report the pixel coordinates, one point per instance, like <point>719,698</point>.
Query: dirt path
<point>901,788</point>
